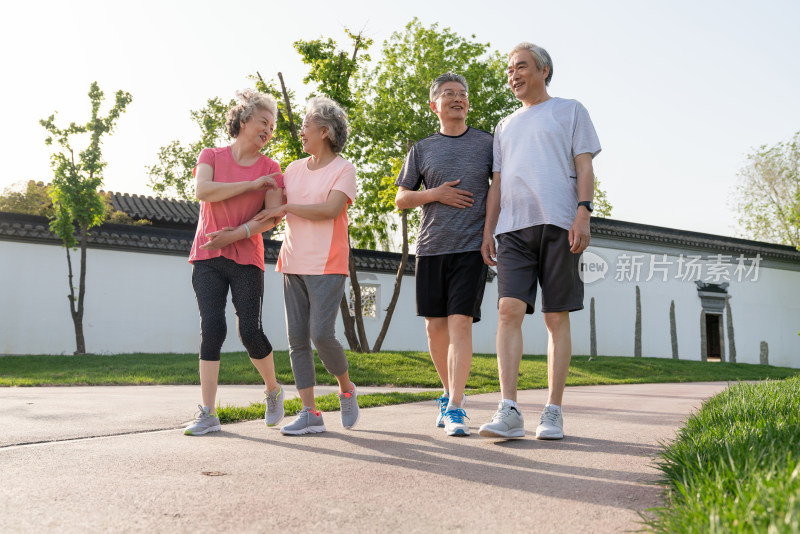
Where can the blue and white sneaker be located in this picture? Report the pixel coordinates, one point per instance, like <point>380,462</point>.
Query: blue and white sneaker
<point>442,402</point>
<point>454,422</point>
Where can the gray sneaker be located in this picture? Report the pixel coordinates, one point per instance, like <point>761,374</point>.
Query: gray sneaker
<point>307,422</point>
<point>348,404</point>
<point>506,423</point>
<point>551,425</point>
<point>203,424</point>
<point>274,412</point>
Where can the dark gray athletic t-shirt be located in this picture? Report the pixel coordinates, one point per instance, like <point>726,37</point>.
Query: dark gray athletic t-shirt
<point>438,159</point>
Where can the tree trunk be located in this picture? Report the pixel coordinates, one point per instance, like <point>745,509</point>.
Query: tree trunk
<point>362,333</point>
<point>397,282</point>
<point>288,107</point>
<point>77,315</point>
<point>349,325</point>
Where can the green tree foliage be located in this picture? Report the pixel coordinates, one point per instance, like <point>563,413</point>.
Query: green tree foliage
<point>33,199</point>
<point>393,113</point>
<point>77,202</point>
<point>602,207</point>
<point>767,197</point>
<point>333,70</point>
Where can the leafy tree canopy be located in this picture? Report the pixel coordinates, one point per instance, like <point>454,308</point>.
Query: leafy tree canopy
<point>767,197</point>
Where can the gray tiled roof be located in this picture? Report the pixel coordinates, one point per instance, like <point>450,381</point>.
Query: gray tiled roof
<point>628,231</point>
<point>174,222</point>
<point>172,241</point>
<point>157,210</point>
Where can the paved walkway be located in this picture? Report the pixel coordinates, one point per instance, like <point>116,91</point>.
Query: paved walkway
<point>105,459</point>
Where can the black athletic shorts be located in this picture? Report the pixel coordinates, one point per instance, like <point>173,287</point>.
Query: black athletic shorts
<point>451,284</point>
<point>539,254</point>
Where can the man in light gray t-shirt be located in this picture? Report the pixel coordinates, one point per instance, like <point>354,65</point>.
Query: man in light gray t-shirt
<point>538,208</point>
<point>454,165</point>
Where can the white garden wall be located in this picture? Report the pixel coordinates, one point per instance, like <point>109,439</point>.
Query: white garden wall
<point>143,302</point>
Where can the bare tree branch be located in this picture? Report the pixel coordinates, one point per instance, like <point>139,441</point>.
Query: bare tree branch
<point>288,107</point>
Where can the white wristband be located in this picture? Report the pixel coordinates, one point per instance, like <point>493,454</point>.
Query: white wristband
<point>248,230</point>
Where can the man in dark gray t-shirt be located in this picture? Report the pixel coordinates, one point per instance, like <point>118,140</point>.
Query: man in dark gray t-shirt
<point>454,165</point>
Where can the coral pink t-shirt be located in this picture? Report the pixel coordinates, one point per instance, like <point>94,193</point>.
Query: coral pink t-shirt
<point>235,210</point>
<point>316,247</point>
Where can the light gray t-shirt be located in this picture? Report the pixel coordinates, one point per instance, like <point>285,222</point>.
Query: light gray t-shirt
<point>441,158</point>
<point>534,152</point>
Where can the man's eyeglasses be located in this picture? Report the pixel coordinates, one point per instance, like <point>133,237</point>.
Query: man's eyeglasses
<point>449,94</point>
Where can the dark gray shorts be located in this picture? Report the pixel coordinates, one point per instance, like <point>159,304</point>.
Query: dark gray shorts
<point>539,254</point>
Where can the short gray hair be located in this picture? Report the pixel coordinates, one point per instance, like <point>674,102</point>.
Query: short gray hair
<point>443,79</point>
<point>249,101</point>
<point>325,112</point>
<point>540,55</point>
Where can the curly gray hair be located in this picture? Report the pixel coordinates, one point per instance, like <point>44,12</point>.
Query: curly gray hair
<point>539,54</point>
<point>443,79</point>
<point>249,101</point>
<point>325,112</point>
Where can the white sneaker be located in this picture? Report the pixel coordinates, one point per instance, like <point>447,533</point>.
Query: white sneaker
<point>551,425</point>
<point>507,422</point>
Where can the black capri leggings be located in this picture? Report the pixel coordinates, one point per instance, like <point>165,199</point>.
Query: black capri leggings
<point>210,280</point>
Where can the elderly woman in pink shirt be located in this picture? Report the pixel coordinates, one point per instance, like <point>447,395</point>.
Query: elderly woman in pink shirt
<point>233,183</point>
<point>314,258</point>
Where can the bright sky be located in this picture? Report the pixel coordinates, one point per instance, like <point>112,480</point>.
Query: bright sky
<point>679,91</point>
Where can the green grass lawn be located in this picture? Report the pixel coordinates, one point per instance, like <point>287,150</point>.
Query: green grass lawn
<point>735,466</point>
<point>326,403</point>
<point>410,369</point>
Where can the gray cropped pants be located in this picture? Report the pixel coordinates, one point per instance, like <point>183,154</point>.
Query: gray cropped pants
<point>312,305</point>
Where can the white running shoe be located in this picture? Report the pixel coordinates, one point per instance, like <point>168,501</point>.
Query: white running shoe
<point>551,425</point>
<point>507,422</point>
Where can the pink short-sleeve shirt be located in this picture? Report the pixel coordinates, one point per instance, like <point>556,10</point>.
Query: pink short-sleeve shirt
<point>235,210</point>
<point>316,247</point>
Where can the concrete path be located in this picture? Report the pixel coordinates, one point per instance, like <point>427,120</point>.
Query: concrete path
<point>394,472</point>
<point>38,414</point>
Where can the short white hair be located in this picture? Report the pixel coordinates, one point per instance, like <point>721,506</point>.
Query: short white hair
<point>325,112</point>
<point>539,54</point>
<point>249,101</point>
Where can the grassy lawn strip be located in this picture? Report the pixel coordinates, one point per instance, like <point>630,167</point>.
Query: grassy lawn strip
<point>402,369</point>
<point>734,465</point>
<point>325,403</point>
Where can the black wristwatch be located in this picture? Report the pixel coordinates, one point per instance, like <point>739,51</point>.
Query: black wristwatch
<point>589,205</point>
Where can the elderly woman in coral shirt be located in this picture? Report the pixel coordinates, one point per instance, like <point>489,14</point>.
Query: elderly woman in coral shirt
<point>233,183</point>
<point>314,258</point>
